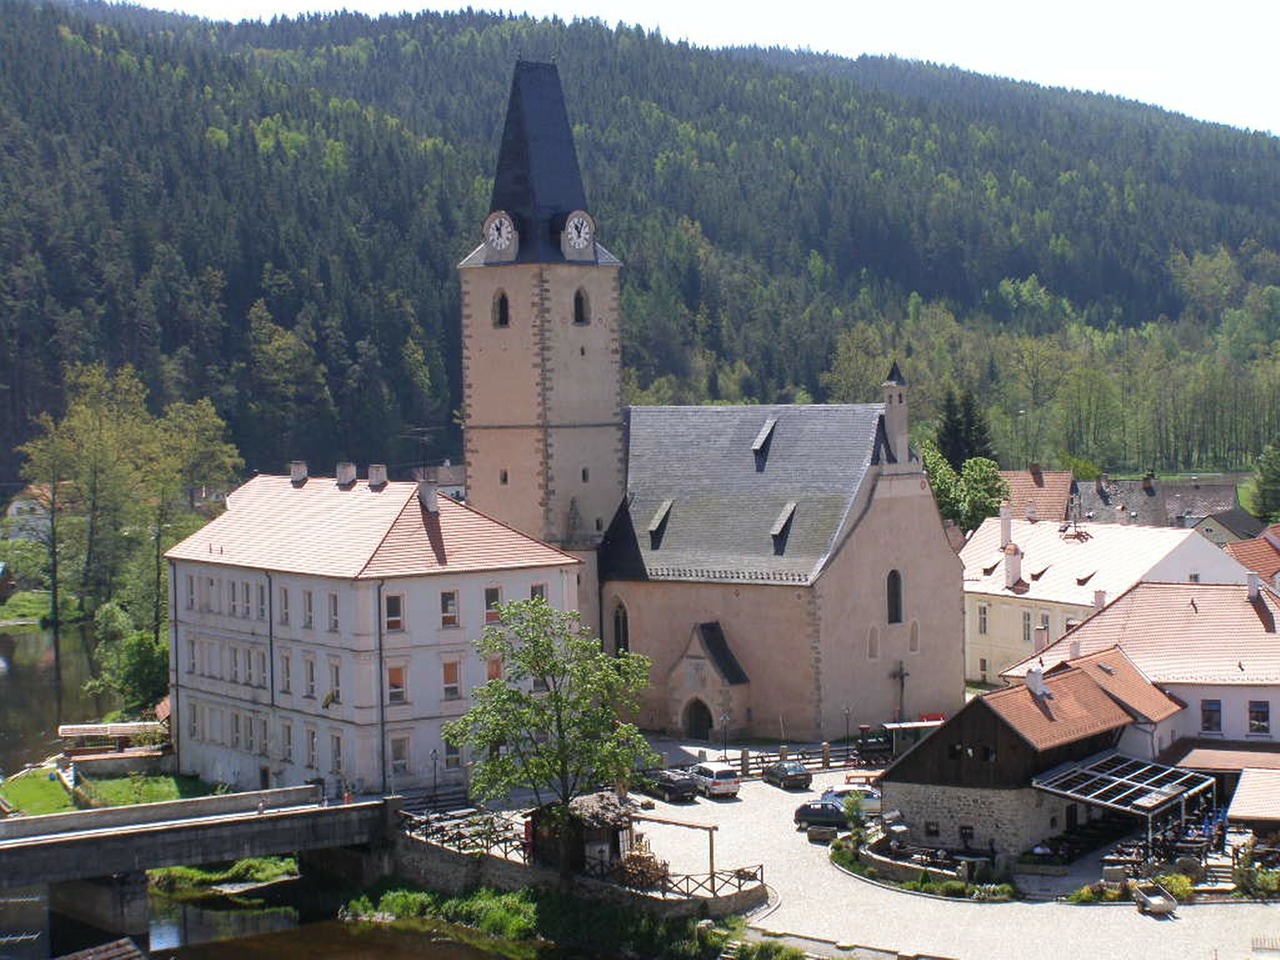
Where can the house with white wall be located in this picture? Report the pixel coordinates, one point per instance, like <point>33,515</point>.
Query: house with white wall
<point>1026,582</point>
<point>322,627</point>
<point>1213,647</point>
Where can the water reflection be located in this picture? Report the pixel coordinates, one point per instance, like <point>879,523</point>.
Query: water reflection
<point>41,687</point>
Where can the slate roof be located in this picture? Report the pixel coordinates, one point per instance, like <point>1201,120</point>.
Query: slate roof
<point>1076,708</point>
<point>1067,565</point>
<point>1121,501</point>
<point>1195,499</point>
<point>1261,554</point>
<point>357,532</point>
<point>1181,633</point>
<point>1238,521</point>
<point>740,493</point>
<point>1048,490</point>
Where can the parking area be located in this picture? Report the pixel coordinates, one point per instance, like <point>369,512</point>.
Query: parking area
<point>836,913</point>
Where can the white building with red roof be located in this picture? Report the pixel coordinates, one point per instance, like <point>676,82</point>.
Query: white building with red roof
<point>1027,581</point>
<point>323,627</point>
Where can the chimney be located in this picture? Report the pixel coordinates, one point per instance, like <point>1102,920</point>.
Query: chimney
<point>1012,565</point>
<point>1272,535</point>
<point>1075,649</point>
<point>427,495</point>
<point>1006,525</point>
<point>297,472</point>
<point>377,476</point>
<point>345,473</point>
<point>1035,682</point>
<point>1032,513</point>
<point>1099,599</point>
<point>1255,582</point>
<point>1040,637</point>
<point>1149,483</point>
<point>1037,474</point>
<point>1275,580</point>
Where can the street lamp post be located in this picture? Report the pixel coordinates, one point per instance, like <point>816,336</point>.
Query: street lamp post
<point>435,758</point>
<point>846,732</point>
<point>724,734</point>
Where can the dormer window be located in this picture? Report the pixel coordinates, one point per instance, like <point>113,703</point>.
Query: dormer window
<point>781,527</point>
<point>760,446</point>
<point>658,525</point>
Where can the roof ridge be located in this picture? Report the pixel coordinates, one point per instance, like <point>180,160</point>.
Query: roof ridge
<point>412,495</point>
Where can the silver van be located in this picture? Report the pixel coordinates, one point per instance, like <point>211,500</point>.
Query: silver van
<point>715,779</point>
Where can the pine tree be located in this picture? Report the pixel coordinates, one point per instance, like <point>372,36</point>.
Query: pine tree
<point>1266,484</point>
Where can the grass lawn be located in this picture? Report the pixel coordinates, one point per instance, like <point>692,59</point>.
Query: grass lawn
<point>25,605</point>
<point>144,788</point>
<point>34,793</point>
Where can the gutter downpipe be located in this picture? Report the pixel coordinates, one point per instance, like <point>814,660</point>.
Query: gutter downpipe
<point>175,726</point>
<point>382,693</point>
<point>271,640</point>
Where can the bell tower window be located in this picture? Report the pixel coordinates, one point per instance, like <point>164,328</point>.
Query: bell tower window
<point>581,311</point>
<point>501,311</point>
<point>621,630</point>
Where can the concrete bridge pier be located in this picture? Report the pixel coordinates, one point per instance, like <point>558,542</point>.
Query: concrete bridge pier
<point>117,903</point>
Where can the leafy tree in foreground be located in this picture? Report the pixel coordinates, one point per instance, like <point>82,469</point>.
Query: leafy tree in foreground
<point>133,664</point>
<point>1266,485</point>
<point>967,497</point>
<point>554,724</point>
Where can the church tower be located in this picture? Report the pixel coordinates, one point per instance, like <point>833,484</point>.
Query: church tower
<point>542,388</point>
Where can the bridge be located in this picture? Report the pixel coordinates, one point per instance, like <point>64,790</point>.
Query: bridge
<point>95,843</point>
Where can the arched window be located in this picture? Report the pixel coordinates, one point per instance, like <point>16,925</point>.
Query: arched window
<point>893,591</point>
<point>581,315</point>
<point>621,633</point>
<point>501,311</point>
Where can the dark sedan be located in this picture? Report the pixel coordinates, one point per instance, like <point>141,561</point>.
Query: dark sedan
<point>788,774</point>
<point>670,785</point>
<point>824,813</point>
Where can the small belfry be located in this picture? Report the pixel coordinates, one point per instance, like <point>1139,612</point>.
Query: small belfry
<point>542,395</point>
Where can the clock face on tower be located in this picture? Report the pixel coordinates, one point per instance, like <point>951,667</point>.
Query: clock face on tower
<point>579,229</point>
<point>499,231</point>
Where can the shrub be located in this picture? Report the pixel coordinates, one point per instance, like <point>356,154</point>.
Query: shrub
<point>1178,885</point>
<point>953,888</point>
<point>1086,894</point>
<point>769,950</point>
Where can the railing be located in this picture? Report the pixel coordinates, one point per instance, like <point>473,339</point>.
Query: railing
<point>468,831</point>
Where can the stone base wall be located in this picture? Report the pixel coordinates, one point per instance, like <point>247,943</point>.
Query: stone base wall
<point>1010,820</point>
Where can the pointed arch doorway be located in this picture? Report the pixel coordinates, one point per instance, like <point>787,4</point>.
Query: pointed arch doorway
<point>697,720</point>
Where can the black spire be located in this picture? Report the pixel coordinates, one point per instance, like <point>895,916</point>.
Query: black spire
<point>537,180</point>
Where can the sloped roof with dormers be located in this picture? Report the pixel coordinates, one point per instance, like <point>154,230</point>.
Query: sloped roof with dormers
<point>355,531</point>
<point>740,493</point>
<point>1180,633</point>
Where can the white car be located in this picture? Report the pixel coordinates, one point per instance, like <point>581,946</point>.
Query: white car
<point>716,779</point>
<point>870,796</point>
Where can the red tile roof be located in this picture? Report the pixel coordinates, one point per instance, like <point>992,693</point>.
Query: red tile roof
<point>1048,490</point>
<point>1181,633</point>
<point>1213,755</point>
<point>1077,707</point>
<point>1261,554</point>
<point>357,532</point>
<point>1124,683</point>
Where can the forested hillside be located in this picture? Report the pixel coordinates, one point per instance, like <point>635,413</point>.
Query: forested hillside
<point>270,215</point>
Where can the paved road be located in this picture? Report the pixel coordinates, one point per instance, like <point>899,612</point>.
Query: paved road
<point>812,898</point>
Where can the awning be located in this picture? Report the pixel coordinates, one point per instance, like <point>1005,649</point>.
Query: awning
<point>1112,780</point>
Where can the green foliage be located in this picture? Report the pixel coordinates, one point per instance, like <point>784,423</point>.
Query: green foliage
<point>250,870</point>
<point>968,497</point>
<point>1266,483</point>
<point>769,950</point>
<point>553,725</point>
<point>25,605</point>
<point>144,788</point>
<point>1178,884</point>
<point>1255,882</point>
<point>132,664</point>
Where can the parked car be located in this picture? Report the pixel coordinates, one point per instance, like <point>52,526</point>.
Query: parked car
<point>825,812</point>
<point>788,774</point>
<point>869,795</point>
<point>670,785</point>
<point>715,779</point>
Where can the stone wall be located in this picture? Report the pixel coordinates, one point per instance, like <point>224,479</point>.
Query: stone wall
<point>1011,820</point>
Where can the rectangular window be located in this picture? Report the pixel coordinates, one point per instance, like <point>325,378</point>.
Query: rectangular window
<point>448,608</point>
<point>1026,626</point>
<point>262,736</point>
<point>284,605</point>
<point>1260,717</point>
<point>235,730</point>
<point>262,601</point>
<point>191,655</point>
<point>191,592</point>
<point>250,734</point>
<point>452,687</point>
<point>193,721</point>
<point>308,677</point>
<point>1210,716</point>
<point>233,599</point>
<point>335,752</point>
<point>396,691</point>
<point>235,664</point>
<point>400,754</point>
<point>493,669</point>
<point>1044,622</point>
<point>244,598</point>
<point>286,671</point>
<point>261,657</point>
<point>394,604</point>
<point>538,591</point>
<point>308,609</point>
<point>286,742</point>
<point>311,748</point>
<point>931,828</point>
<point>982,664</point>
<point>248,669</point>
<point>452,757</point>
<point>333,613</point>
<point>335,681</point>
<point>492,597</point>
<point>982,619</point>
